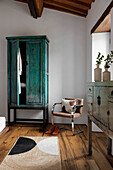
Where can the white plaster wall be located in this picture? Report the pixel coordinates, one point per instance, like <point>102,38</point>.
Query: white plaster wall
<point>67,35</point>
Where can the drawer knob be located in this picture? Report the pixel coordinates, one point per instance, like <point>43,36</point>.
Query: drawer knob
<point>108,112</point>
<point>112,93</point>
<point>89,89</point>
<point>27,63</point>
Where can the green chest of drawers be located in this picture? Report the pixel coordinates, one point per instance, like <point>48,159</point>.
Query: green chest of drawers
<point>28,72</point>
<point>100,102</point>
<point>100,109</point>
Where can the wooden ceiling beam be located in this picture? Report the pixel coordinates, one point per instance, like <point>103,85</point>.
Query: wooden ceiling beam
<point>85,1</point>
<point>35,7</point>
<point>64,10</point>
<point>55,3</point>
<point>32,8</point>
<point>39,7</point>
<point>76,4</point>
<point>82,2</point>
<point>76,7</point>
<point>79,2</point>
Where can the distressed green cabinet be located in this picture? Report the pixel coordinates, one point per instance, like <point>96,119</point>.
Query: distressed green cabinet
<point>28,72</point>
<point>100,102</point>
<point>100,108</point>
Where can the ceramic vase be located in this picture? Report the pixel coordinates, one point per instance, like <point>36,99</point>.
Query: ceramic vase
<point>106,75</point>
<point>98,73</point>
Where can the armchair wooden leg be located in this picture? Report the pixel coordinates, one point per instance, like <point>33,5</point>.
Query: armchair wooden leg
<point>52,120</point>
<point>73,125</point>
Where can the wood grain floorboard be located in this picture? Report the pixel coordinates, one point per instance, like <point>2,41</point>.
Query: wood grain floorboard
<point>73,149</point>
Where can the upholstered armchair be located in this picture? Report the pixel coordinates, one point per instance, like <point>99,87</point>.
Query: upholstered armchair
<point>75,110</point>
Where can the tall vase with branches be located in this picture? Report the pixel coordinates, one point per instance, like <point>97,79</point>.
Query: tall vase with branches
<point>98,70</point>
<point>106,73</point>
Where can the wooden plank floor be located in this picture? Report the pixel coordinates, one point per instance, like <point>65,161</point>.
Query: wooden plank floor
<point>73,149</point>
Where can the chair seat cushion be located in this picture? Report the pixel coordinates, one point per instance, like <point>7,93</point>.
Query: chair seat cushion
<point>68,115</point>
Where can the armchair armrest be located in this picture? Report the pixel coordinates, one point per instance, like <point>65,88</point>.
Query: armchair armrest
<point>54,107</point>
<point>77,107</point>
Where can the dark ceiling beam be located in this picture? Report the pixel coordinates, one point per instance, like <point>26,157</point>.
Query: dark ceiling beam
<point>64,10</point>
<point>76,4</point>
<point>56,4</point>
<point>35,7</point>
<point>32,8</point>
<point>84,3</point>
<point>39,7</point>
<point>76,7</point>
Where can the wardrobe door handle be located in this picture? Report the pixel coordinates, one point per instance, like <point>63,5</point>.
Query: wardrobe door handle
<point>27,63</point>
<point>112,93</point>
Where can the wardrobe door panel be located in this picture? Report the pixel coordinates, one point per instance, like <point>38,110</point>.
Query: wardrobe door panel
<point>34,85</point>
<point>89,103</point>
<point>14,72</point>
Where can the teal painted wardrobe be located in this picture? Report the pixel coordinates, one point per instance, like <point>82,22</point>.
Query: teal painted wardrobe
<point>28,75</point>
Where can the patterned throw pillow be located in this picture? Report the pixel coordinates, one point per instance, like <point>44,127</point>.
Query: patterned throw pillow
<point>68,105</point>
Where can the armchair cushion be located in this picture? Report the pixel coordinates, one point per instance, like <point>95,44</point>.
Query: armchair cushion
<point>68,105</point>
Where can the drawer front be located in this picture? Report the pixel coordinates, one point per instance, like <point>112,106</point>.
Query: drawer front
<point>90,90</point>
<point>104,105</point>
<point>110,116</point>
<point>96,110</point>
<point>90,99</point>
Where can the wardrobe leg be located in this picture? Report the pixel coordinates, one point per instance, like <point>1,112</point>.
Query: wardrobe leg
<point>44,119</point>
<point>8,116</point>
<point>47,114</point>
<point>14,115</point>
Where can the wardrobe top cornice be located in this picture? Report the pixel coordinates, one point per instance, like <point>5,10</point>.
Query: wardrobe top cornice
<point>28,37</point>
